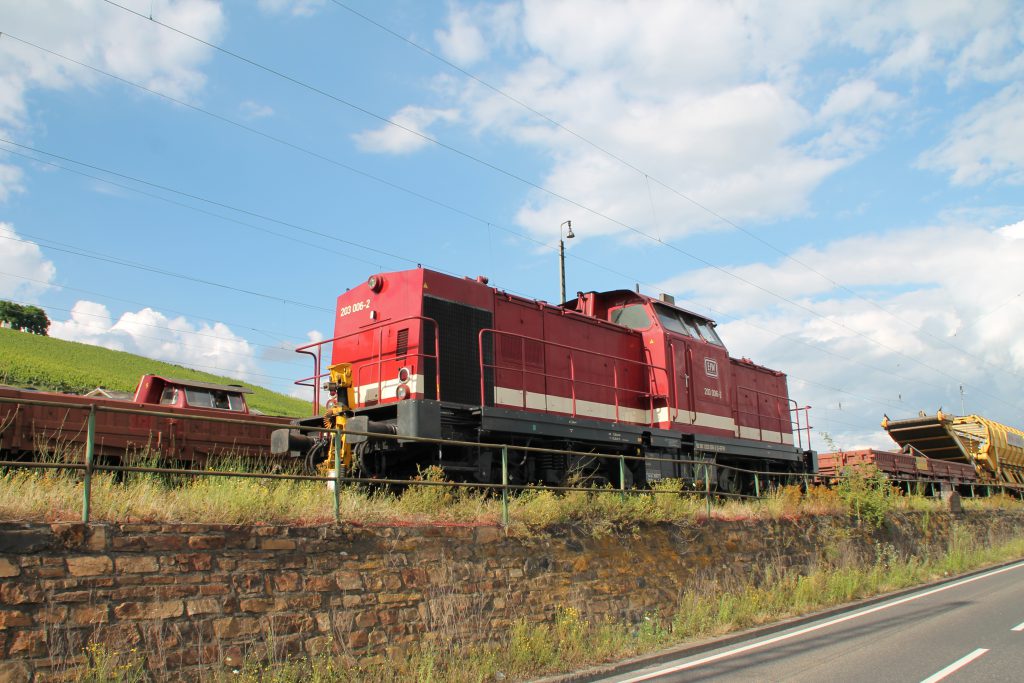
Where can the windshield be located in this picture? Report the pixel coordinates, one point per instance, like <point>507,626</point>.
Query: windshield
<point>633,316</point>
<point>212,398</point>
<point>686,324</point>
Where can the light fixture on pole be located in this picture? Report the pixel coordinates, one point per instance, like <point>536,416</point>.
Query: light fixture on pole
<point>561,255</point>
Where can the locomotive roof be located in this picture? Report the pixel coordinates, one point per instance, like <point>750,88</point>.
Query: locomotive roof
<point>643,297</point>
<point>233,388</point>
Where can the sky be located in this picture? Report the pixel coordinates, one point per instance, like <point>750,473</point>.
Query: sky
<point>840,184</point>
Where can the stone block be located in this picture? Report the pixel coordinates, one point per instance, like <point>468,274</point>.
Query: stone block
<point>205,542</point>
<point>287,582</point>
<point>277,544</point>
<point>165,609</point>
<point>366,619</point>
<point>348,580</point>
<point>165,542</point>
<point>488,534</point>
<point>87,615</point>
<point>203,606</point>
<point>19,594</point>
<point>143,564</point>
<point>358,639</point>
<point>8,568</point>
<point>12,618</point>
<point>248,583</point>
<point>233,627</point>
<point>89,565</point>
<point>28,643</point>
<point>15,672</point>
<point>323,621</point>
<point>96,538</point>
<point>257,604</point>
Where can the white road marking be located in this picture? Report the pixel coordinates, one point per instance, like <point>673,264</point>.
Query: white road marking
<point>817,627</point>
<point>955,666</point>
<point>1018,627</point>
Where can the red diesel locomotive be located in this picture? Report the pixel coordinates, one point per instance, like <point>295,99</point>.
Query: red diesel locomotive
<point>431,355</point>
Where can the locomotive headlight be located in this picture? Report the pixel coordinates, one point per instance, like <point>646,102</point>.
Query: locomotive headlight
<point>402,392</point>
<point>375,282</point>
<point>403,375</point>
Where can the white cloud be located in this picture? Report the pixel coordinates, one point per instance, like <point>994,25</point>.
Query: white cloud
<point>860,96</point>
<point>255,110</point>
<point>719,101</point>
<point>922,325</point>
<point>463,42</point>
<point>10,181</point>
<point>24,271</point>
<point>393,140</point>
<point>985,143</point>
<point>298,8</point>
<point>214,348</point>
<point>106,37</point>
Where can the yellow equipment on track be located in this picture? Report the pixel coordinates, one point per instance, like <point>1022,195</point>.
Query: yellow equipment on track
<point>995,450</point>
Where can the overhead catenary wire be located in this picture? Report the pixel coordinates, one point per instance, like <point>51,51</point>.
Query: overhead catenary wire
<point>270,333</point>
<point>71,249</point>
<point>160,327</point>
<point>648,178</point>
<point>593,263</point>
<point>515,233</point>
<point>475,159</point>
<point>330,160</point>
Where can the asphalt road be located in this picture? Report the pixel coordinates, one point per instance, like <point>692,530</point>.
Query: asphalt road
<point>971,629</point>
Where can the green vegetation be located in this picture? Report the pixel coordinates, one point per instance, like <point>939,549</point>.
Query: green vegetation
<point>52,495</point>
<point>31,318</point>
<point>47,363</point>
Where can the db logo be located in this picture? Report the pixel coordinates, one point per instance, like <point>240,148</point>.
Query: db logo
<point>711,367</point>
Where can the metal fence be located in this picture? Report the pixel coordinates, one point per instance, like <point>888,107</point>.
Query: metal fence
<point>763,481</point>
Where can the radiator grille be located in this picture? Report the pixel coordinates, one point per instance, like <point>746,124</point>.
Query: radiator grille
<point>402,344</point>
<point>459,348</point>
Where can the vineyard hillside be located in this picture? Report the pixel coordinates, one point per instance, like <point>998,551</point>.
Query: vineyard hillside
<point>30,360</point>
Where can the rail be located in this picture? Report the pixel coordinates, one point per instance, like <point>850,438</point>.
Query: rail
<point>317,356</point>
<point>705,471</point>
<point>616,389</point>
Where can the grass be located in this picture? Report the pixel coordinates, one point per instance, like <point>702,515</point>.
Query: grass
<point>52,495</point>
<point>48,363</point>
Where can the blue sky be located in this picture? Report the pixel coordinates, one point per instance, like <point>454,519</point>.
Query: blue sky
<point>839,184</point>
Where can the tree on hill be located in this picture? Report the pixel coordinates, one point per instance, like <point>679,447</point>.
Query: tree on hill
<point>30,318</point>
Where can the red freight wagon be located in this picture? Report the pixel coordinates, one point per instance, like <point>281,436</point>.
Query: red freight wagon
<point>56,423</point>
<point>907,466</point>
<point>432,355</point>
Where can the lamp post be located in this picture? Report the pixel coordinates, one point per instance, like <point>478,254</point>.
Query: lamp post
<point>561,255</point>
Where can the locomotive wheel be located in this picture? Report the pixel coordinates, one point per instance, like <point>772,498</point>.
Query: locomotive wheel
<point>729,480</point>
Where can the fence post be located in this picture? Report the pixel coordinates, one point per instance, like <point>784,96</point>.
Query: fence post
<point>90,441</point>
<point>622,476</point>
<point>707,488</point>
<point>337,476</point>
<point>504,486</point>
<point>757,486</point>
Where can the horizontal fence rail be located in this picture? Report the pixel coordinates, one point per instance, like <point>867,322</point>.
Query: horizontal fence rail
<point>763,481</point>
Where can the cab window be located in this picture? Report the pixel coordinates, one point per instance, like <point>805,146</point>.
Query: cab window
<point>675,321</point>
<point>198,398</point>
<point>207,398</point>
<point>707,331</point>
<point>169,397</point>
<point>633,316</point>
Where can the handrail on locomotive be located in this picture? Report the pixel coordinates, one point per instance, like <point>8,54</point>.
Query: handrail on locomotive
<point>314,379</point>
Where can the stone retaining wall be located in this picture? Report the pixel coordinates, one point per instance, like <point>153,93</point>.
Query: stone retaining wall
<point>195,597</point>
